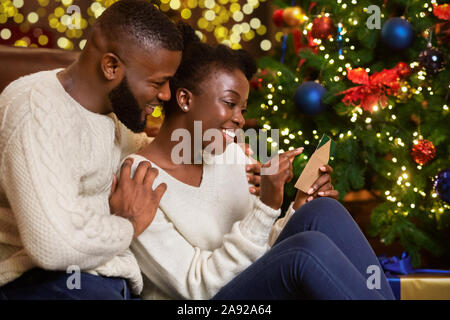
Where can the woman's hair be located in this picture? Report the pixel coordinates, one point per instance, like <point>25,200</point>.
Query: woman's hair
<point>200,59</point>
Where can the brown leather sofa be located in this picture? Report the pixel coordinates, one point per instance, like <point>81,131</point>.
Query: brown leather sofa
<point>16,62</point>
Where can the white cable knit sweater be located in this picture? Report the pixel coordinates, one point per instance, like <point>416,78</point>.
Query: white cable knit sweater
<point>57,161</point>
<point>201,238</point>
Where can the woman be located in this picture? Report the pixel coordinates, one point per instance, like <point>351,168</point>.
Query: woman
<point>210,236</point>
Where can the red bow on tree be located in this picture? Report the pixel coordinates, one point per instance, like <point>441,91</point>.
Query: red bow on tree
<point>442,29</point>
<point>373,89</point>
<point>442,11</point>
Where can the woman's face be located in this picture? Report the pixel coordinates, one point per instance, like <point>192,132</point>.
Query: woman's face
<point>220,104</point>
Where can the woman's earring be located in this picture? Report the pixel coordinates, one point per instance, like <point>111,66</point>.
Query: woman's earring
<point>185,108</point>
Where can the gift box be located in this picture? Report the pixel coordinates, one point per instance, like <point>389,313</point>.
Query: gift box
<point>420,286</point>
<point>415,284</point>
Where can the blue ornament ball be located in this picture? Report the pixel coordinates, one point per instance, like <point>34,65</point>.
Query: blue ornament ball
<point>308,98</point>
<point>397,33</point>
<point>442,185</point>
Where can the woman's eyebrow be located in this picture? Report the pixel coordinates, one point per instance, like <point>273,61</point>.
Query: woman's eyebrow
<point>232,91</point>
<point>236,93</point>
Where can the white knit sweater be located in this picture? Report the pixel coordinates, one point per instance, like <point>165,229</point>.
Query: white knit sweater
<point>202,237</point>
<point>57,161</point>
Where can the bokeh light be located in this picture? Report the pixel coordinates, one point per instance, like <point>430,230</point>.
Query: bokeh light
<point>67,22</point>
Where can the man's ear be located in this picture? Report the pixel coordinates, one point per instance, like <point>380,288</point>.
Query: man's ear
<point>112,67</point>
<point>184,99</point>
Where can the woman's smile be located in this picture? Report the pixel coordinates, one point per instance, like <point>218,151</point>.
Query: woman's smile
<point>229,135</point>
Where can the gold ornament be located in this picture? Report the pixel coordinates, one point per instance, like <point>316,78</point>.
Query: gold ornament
<point>293,16</point>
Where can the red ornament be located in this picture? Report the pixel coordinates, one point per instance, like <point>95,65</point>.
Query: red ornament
<point>278,17</point>
<point>323,28</point>
<point>423,152</point>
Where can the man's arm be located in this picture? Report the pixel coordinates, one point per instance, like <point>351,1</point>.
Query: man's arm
<point>58,227</point>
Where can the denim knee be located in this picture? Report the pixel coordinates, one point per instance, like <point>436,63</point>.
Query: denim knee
<point>310,242</point>
<point>324,208</point>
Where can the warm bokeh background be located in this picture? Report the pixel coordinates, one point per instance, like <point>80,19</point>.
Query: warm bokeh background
<point>45,23</point>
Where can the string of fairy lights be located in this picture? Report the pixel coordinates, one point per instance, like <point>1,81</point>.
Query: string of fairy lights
<point>276,97</point>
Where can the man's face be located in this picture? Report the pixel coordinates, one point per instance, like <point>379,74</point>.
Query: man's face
<point>144,86</point>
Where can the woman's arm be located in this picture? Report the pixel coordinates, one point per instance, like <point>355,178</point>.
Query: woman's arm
<point>185,271</point>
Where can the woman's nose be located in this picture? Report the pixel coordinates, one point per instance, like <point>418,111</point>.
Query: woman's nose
<point>238,118</point>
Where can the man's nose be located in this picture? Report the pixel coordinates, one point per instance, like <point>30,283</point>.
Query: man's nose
<point>164,93</point>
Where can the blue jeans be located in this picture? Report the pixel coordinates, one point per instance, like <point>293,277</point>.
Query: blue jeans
<point>39,284</point>
<point>320,254</point>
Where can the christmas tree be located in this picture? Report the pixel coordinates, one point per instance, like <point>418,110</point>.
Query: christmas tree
<point>373,76</point>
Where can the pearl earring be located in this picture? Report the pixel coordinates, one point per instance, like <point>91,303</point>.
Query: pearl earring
<point>185,108</point>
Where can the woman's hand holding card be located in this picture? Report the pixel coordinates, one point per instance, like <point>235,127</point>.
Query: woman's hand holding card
<point>322,187</point>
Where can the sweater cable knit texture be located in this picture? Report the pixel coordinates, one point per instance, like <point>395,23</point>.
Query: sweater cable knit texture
<point>202,237</point>
<point>56,166</point>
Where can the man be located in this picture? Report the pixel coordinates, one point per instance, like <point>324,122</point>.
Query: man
<point>59,150</point>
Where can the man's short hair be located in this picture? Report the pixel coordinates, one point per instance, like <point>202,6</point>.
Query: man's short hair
<point>139,21</point>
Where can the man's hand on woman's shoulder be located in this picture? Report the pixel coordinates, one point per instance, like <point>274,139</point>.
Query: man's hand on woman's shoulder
<point>133,198</point>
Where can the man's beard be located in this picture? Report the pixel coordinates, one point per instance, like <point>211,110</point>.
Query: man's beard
<point>126,107</point>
